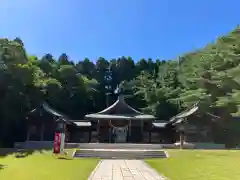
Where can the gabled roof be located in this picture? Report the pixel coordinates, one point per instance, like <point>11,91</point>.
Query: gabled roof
<point>119,110</point>
<point>176,119</point>
<point>45,107</point>
<point>180,117</point>
<point>120,107</point>
<point>52,111</point>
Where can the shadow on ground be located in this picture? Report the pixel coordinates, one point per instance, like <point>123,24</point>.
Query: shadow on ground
<point>64,158</point>
<point>2,167</point>
<point>19,153</point>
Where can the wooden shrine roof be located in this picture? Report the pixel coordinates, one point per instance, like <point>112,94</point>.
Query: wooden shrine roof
<point>119,110</point>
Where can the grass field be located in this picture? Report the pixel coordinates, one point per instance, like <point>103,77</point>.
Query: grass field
<point>199,165</point>
<point>181,165</point>
<point>39,166</point>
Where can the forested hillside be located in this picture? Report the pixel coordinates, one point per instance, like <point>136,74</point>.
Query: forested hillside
<point>160,87</point>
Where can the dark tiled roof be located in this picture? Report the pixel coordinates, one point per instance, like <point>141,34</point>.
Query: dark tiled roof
<point>180,117</point>
<point>119,110</point>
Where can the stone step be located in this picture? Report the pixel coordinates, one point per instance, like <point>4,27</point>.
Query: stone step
<point>114,146</point>
<point>116,154</point>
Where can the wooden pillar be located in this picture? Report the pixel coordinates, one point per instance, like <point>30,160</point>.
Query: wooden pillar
<point>109,134</point>
<point>151,130</point>
<point>151,136</point>
<point>129,131</point>
<point>42,132</point>
<point>89,134</point>
<point>98,131</point>
<point>28,133</point>
<point>150,127</point>
<point>182,133</point>
<point>181,140</point>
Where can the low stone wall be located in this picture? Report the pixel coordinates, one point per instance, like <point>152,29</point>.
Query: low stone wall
<point>209,146</point>
<point>4,151</point>
<point>34,145</point>
<point>188,145</point>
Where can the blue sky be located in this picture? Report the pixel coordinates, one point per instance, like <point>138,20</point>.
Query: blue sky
<point>111,28</point>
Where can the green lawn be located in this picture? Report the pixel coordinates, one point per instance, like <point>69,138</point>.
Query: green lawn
<point>39,166</point>
<point>199,165</point>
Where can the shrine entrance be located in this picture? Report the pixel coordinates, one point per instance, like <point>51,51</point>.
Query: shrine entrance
<point>119,130</point>
<point>120,134</point>
<point>120,123</point>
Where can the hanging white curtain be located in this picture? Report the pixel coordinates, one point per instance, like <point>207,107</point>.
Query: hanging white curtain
<point>120,134</point>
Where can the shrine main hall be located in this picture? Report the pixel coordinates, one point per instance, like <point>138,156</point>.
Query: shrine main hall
<point>119,123</point>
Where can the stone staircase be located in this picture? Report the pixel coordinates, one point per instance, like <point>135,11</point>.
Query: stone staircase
<point>114,146</point>
<point>120,151</point>
<point>117,154</point>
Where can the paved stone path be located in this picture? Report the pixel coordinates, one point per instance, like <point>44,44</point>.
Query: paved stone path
<point>124,170</point>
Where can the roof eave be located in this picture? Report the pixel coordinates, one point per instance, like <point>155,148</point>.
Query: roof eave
<point>116,117</point>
